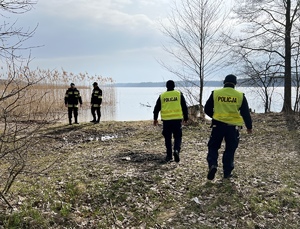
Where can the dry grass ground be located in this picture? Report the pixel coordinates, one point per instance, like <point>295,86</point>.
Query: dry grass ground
<point>113,175</point>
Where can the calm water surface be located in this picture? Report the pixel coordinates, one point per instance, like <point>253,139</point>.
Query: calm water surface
<point>137,103</point>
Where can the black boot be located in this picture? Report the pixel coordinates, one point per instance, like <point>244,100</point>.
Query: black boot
<point>94,119</point>
<point>76,122</point>
<point>70,121</point>
<point>211,173</point>
<point>169,156</point>
<point>176,156</point>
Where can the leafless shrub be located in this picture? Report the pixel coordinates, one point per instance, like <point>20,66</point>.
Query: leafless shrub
<point>19,123</point>
<point>29,100</point>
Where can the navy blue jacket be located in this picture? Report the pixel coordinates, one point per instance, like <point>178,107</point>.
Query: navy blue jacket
<point>72,96</point>
<point>96,97</point>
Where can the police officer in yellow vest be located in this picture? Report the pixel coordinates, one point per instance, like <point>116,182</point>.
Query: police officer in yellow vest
<point>172,107</point>
<point>229,110</point>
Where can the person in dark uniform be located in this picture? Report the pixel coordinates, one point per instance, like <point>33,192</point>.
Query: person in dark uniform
<point>172,107</point>
<point>72,98</point>
<point>229,110</point>
<point>96,101</point>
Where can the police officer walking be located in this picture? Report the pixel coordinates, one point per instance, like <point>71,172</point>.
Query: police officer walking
<point>172,107</point>
<point>72,98</point>
<point>96,101</point>
<point>229,110</point>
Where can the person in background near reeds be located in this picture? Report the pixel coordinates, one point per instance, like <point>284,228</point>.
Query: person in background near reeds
<point>229,110</point>
<point>72,98</point>
<point>96,101</point>
<point>172,107</point>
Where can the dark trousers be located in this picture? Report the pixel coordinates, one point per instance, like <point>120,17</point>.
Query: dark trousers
<point>172,128</point>
<point>231,136</point>
<point>95,110</point>
<point>72,110</point>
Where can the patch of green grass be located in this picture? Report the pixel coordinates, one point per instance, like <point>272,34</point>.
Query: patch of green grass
<point>65,209</point>
<point>74,189</point>
<point>27,218</point>
<point>288,198</point>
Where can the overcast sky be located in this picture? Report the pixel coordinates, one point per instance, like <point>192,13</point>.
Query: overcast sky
<point>111,38</point>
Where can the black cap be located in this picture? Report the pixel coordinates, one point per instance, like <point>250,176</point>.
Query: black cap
<point>230,79</point>
<point>95,83</point>
<point>170,84</point>
<point>72,84</point>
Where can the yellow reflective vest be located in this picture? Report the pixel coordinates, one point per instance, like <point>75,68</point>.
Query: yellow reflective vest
<point>171,105</point>
<point>227,102</point>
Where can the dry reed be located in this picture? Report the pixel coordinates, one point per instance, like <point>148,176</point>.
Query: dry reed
<point>43,91</point>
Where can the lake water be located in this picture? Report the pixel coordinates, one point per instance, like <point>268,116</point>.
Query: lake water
<point>137,103</point>
<point>131,104</point>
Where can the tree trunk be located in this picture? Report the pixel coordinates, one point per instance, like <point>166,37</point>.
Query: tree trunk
<point>287,102</point>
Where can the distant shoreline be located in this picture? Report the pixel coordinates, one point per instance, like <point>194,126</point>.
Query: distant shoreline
<point>163,84</point>
<point>188,84</point>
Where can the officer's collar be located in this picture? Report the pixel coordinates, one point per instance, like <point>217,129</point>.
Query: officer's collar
<point>229,85</point>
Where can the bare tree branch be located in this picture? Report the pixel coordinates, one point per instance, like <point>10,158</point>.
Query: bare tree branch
<point>271,30</point>
<point>197,44</point>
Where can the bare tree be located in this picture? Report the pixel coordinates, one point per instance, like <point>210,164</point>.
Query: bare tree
<point>20,119</point>
<point>261,75</point>
<point>13,37</point>
<point>195,29</point>
<point>296,77</point>
<point>18,124</point>
<point>269,29</point>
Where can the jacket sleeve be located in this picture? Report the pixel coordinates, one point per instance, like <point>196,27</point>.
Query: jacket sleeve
<point>245,113</point>
<point>66,97</point>
<point>157,109</point>
<point>79,98</point>
<point>184,108</point>
<point>92,96</point>
<point>100,97</point>
<point>209,106</point>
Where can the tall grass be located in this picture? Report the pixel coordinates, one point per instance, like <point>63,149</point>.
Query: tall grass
<point>46,90</point>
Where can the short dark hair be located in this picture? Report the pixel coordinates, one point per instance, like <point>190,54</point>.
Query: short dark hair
<point>170,84</point>
<point>230,79</point>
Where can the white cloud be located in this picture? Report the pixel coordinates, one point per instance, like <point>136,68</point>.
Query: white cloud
<point>133,65</point>
<point>112,12</point>
<point>117,38</point>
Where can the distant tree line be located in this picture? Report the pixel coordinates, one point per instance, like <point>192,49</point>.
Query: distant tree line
<point>163,84</point>
<point>245,82</point>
